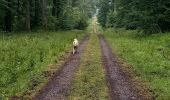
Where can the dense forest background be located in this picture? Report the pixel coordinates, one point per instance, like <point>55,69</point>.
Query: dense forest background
<point>27,15</point>
<point>150,16</point>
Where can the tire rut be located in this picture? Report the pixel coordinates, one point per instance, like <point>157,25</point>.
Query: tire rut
<point>57,87</point>
<point>119,84</point>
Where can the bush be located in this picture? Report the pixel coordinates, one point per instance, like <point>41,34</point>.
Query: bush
<point>82,24</point>
<point>53,23</point>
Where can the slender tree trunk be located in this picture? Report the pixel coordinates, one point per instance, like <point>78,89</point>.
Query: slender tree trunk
<point>8,18</point>
<point>44,14</point>
<point>54,8</point>
<point>115,6</point>
<point>28,19</point>
<point>18,5</point>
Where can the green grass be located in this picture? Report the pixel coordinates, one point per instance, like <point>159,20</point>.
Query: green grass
<point>148,55</point>
<point>89,82</point>
<point>24,56</point>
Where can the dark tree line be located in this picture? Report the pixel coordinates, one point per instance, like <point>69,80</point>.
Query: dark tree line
<point>27,15</point>
<point>151,16</point>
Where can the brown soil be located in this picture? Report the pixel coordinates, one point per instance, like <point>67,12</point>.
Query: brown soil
<point>57,87</point>
<point>119,82</point>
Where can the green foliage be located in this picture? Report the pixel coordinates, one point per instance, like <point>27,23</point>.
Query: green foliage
<point>82,24</point>
<point>21,15</point>
<point>24,56</point>
<point>53,23</point>
<point>149,16</point>
<point>104,10</point>
<point>111,19</point>
<point>148,55</point>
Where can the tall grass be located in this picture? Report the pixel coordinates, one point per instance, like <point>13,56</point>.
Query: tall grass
<point>24,56</point>
<point>148,55</point>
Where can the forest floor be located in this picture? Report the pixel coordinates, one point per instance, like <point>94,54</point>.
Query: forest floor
<point>98,74</point>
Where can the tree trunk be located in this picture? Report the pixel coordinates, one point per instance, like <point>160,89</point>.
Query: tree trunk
<point>28,19</point>
<point>115,6</point>
<point>8,18</point>
<point>44,14</point>
<point>54,8</point>
<point>58,8</point>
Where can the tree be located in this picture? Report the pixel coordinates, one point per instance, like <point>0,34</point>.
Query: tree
<point>151,16</point>
<point>28,20</point>
<point>8,16</point>
<point>103,12</point>
<point>44,14</point>
<point>17,15</point>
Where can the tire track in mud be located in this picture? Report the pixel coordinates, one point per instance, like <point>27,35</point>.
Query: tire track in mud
<point>119,83</point>
<point>57,87</point>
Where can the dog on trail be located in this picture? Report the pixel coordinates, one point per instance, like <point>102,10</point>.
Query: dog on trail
<point>75,45</point>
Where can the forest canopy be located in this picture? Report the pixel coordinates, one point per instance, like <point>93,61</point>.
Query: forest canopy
<point>150,16</point>
<point>27,15</point>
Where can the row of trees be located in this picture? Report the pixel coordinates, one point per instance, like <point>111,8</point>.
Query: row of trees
<point>148,15</point>
<point>21,15</point>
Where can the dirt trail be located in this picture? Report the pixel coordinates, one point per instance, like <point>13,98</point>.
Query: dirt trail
<point>57,87</point>
<point>119,83</point>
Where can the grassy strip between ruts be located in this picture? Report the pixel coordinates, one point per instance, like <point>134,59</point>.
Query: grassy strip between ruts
<point>24,56</point>
<point>148,55</point>
<point>89,82</point>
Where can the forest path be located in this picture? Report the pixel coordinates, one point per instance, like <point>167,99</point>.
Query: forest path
<point>57,87</point>
<point>119,82</point>
<point>120,85</point>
